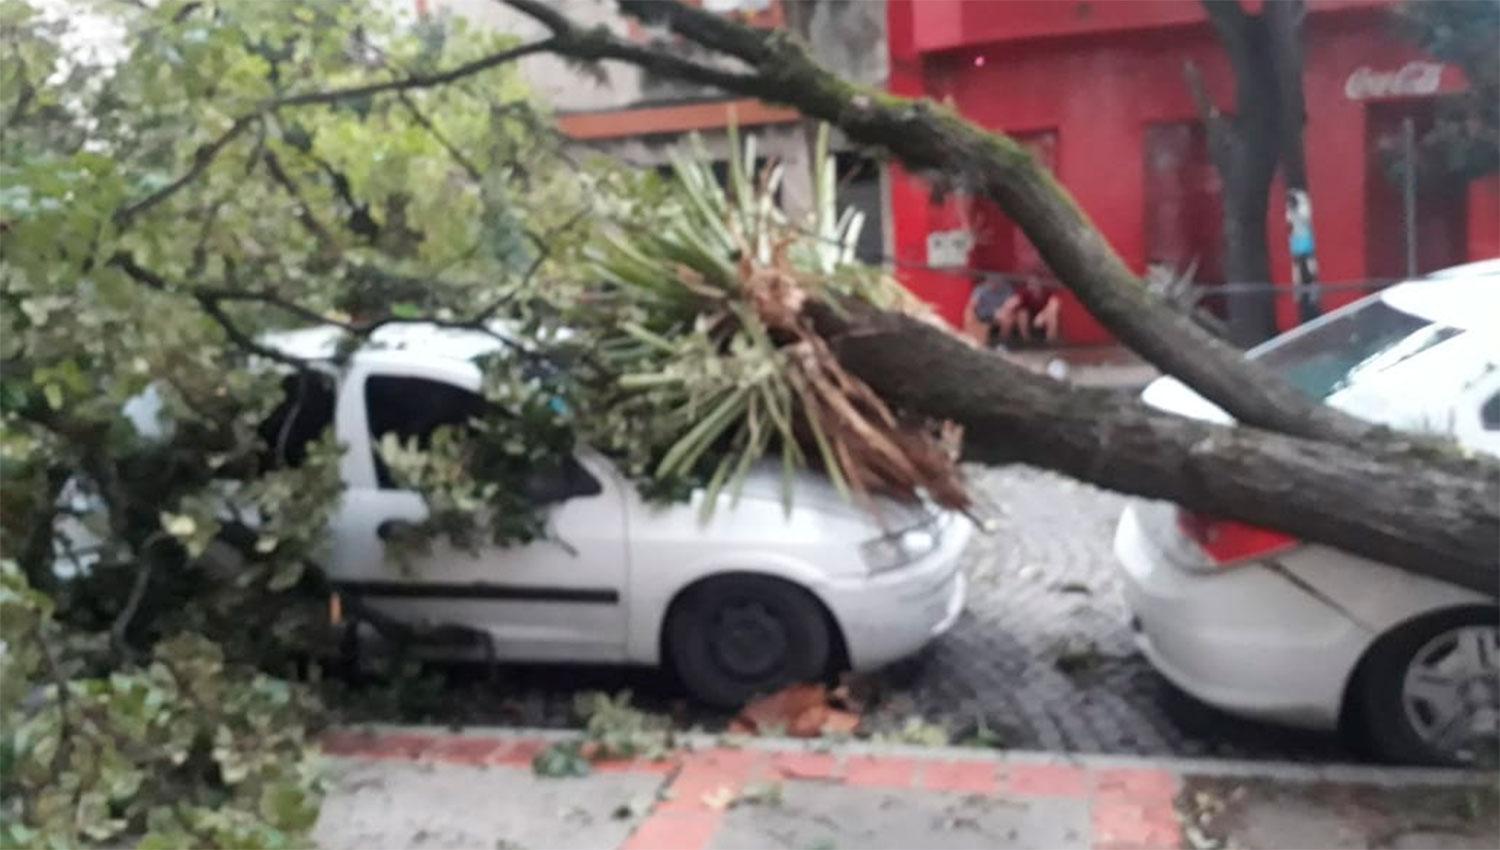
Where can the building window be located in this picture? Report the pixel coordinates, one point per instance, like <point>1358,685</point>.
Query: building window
<point>1184,207</point>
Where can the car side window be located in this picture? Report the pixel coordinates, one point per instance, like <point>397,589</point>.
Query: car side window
<point>412,408</point>
<point>305,412</point>
<point>1489,413</point>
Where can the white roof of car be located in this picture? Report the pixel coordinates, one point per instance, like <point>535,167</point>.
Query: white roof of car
<point>322,342</point>
<point>1466,297</point>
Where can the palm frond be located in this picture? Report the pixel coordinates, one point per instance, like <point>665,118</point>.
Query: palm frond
<point>718,360</point>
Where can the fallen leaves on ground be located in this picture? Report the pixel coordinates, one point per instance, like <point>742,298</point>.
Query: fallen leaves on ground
<point>799,711</point>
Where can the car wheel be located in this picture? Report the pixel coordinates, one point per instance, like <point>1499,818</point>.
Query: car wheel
<point>1429,691</point>
<point>734,637</point>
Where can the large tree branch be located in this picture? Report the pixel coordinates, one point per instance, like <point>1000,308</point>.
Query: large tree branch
<point>1284,45</point>
<point>415,81</point>
<point>1435,522</point>
<point>930,138</point>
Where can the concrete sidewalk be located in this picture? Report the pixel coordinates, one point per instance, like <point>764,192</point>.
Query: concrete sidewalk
<point>419,788</point>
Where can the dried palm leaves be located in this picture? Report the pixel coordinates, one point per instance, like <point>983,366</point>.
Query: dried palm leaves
<point>703,320</point>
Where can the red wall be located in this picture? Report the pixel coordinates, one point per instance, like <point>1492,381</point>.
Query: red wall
<point>1098,78</point>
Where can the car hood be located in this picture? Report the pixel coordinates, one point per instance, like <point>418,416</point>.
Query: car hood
<point>815,492</point>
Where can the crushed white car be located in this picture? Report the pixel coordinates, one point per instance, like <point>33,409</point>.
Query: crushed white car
<point>1266,626</point>
<point>758,596</point>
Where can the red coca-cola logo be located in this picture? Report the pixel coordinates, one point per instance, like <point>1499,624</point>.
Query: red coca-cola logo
<point>1413,78</point>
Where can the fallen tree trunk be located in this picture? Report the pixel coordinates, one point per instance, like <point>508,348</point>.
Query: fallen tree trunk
<point>926,137</point>
<point>1414,501</point>
<point>1384,505</point>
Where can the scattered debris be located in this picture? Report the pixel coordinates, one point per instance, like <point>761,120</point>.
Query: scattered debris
<point>800,711</point>
<point>916,731</point>
<point>719,798</point>
<point>613,729</point>
<point>635,807</point>
<point>760,794</point>
<point>753,794</point>
<point>561,759</point>
<point>1076,655</point>
<point>982,735</point>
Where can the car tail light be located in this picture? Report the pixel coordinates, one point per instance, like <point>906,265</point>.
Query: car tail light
<point>1228,542</point>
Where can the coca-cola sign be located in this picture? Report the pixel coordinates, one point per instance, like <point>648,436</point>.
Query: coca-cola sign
<point>1413,78</point>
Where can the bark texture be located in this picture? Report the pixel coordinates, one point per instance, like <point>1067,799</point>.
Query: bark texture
<point>1433,522</point>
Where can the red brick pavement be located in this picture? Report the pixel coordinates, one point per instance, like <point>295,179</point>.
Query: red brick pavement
<point>1129,808</point>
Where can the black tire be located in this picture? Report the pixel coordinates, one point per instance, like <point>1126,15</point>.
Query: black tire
<point>733,637</point>
<point>1381,713</point>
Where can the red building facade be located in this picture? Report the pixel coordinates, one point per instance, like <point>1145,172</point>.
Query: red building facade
<point>1096,88</point>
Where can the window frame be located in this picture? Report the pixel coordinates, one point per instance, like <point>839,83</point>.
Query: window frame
<point>353,427</point>
<point>383,479</point>
<point>352,421</point>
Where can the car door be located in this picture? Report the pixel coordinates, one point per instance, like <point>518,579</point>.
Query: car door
<point>554,599</point>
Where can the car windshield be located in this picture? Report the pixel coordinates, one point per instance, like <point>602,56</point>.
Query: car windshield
<point>1363,341</point>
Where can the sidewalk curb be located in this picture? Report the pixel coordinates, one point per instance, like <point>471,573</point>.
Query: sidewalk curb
<point>1291,771</point>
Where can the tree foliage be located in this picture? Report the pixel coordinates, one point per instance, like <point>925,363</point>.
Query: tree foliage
<point>212,171</point>
<point>229,169</point>
<point>1464,140</point>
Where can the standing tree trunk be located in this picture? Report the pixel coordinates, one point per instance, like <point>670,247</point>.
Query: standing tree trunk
<point>1265,52</point>
<point>1284,28</point>
<point>1243,148</point>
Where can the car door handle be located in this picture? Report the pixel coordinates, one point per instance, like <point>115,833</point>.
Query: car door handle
<point>393,528</point>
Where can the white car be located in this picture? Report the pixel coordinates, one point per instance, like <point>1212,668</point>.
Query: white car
<point>1264,626</point>
<point>755,598</point>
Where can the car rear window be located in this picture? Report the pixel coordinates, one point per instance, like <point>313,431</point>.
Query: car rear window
<point>1363,341</point>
